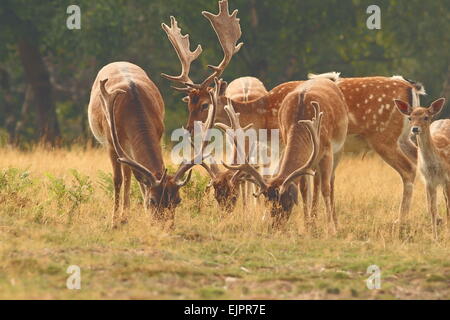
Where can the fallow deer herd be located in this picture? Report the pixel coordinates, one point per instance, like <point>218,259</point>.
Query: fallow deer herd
<point>315,118</point>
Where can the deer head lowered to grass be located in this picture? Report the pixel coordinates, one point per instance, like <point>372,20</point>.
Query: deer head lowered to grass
<point>227,183</point>
<point>433,141</point>
<point>126,113</point>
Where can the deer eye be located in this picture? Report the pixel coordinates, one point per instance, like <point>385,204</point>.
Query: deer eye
<point>205,106</point>
<point>409,118</point>
<point>426,118</point>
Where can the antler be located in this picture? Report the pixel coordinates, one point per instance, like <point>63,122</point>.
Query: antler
<point>313,126</point>
<point>246,167</point>
<point>208,124</point>
<point>108,102</point>
<point>227,29</point>
<point>235,128</point>
<point>181,45</point>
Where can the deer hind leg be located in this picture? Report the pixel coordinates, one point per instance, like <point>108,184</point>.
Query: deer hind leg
<point>117,179</point>
<point>432,208</point>
<point>406,168</point>
<point>326,172</point>
<point>126,172</point>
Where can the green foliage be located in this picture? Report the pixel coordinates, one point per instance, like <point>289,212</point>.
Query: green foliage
<point>78,192</point>
<point>282,41</point>
<point>14,181</point>
<point>195,191</point>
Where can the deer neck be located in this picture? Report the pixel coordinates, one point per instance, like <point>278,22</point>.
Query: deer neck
<point>427,151</point>
<point>146,148</point>
<point>297,152</point>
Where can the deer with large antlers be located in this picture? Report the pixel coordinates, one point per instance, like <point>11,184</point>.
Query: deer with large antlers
<point>313,123</point>
<point>433,140</point>
<point>228,31</point>
<point>126,113</point>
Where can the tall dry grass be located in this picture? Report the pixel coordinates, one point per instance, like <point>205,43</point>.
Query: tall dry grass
<point>49,220</point>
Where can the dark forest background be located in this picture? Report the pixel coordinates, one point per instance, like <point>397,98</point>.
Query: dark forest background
<point>46,70</point>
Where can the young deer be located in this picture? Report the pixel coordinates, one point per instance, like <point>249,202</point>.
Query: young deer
<point>309,144</point>
<point>126,113</point>
<point>433,141</point>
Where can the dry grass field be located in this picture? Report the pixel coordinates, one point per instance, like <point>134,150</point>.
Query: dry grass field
<point>55,205</point>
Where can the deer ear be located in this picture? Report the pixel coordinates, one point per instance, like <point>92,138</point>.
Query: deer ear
<point>436,107</point>
<point>403,107</point>
<point>185,99</point>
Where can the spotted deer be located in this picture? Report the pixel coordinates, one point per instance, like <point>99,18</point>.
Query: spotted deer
<point>433,141</point>
<point>313,123</point>
<point>374,119</point>
<point>126,113</point>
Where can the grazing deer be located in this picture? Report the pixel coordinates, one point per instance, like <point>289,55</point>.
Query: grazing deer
<point>374,119</point>
<point>309,144</point>
<point>433,141</point>
<point>227,183</point>
<point>126,113</point>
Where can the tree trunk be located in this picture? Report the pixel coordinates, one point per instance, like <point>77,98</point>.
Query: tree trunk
<point>37,77</point>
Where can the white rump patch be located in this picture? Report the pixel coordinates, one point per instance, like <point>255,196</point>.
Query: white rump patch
<point>397,77</point>
<point>333,76</point>
<point>419,91</point>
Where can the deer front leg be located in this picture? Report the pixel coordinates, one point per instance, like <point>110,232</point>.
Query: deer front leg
<point>447,203</point>
<point>316,195</point>
<point>326,170</point>
<point>117,179</point>
<point>391,153</point>
<point>243,189</point>
<point>306,192</point>
<point>336,159</point>
<point>432,208</point>
<point>126,172</point>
